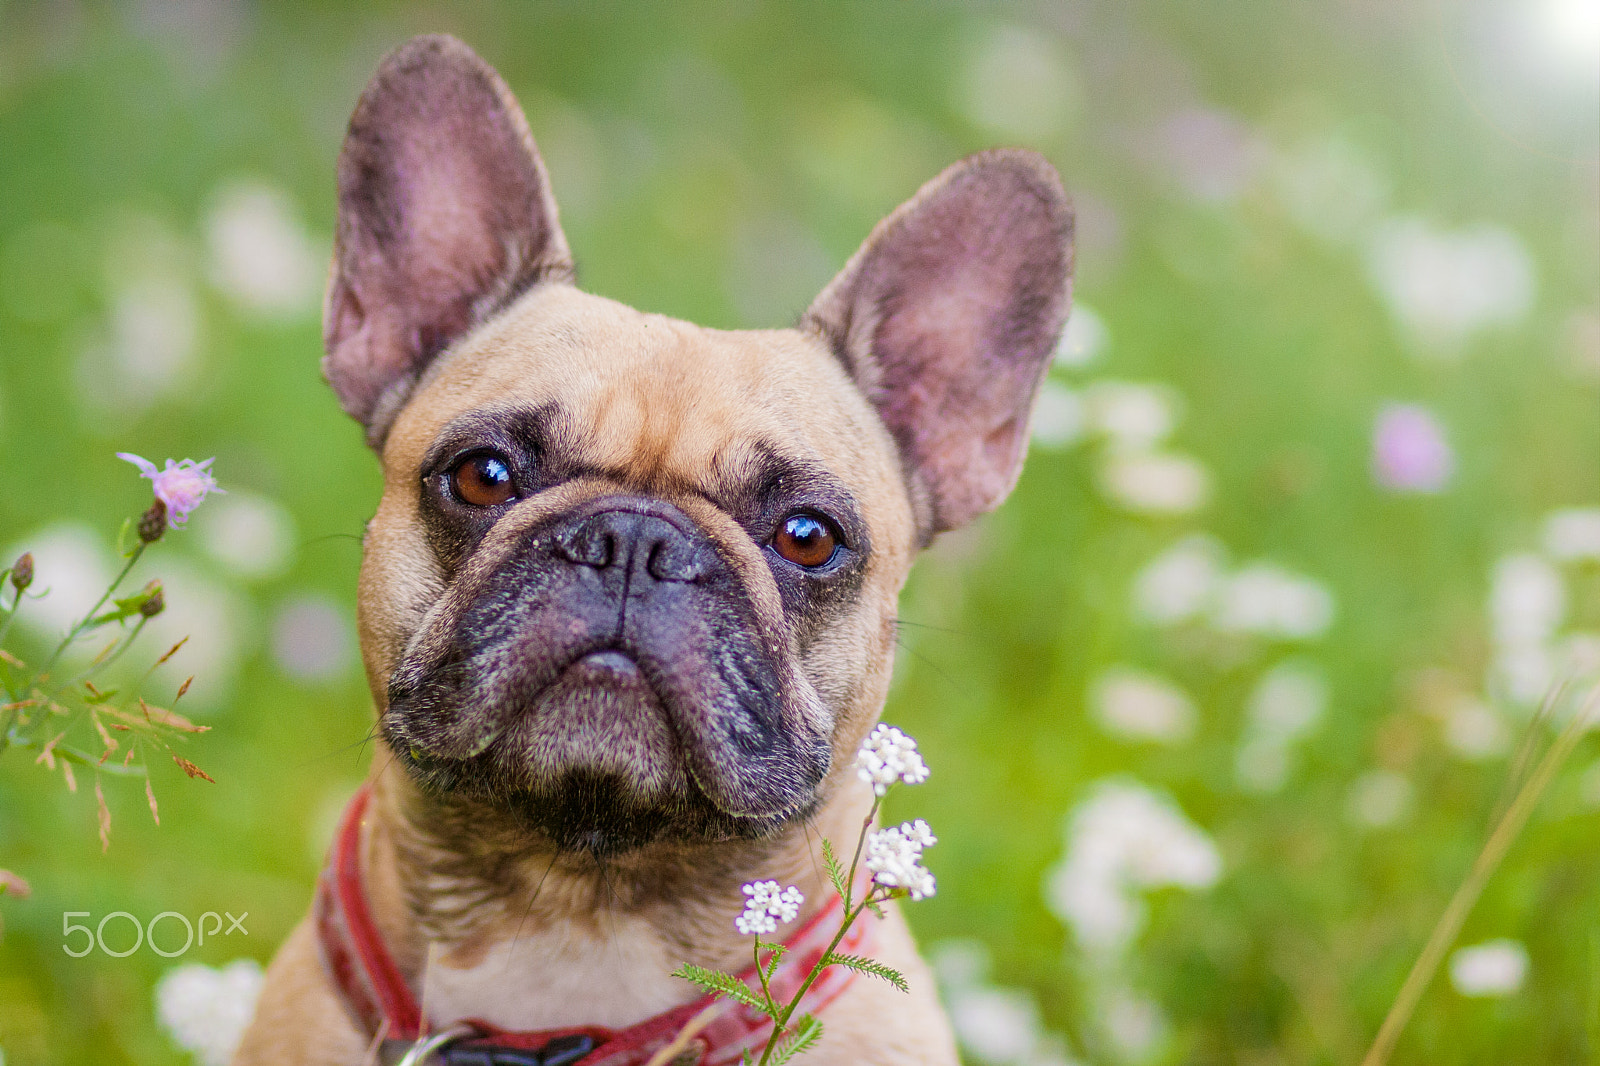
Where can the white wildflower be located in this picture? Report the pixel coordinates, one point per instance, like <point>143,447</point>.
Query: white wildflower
<point>218,622</point>
<point>1213,154</point>
<point>1155,483</point>
<point>1493,968</point>
<point>997,1025</point>
<point>1131,415</point>
<point>70,560</point>
<point>1016,83</point>
<point>251,536</point>
<point>205,1010</point>
<point>768,907</point>
<point>960,962</point>
<point>1286,704</point>
<point>312,640</point>
<point>1573,534</point>
<point>1474,731</point>
<point>1527,600</point>
<point>1444,286</point>
<point>1136,1025</point>
<point>1578,655</point>
<point>1121,840</point>
<point>1288,701</point>
<point>888,756</point>
<point>1329,187</point>
<point>1179,584</point>
<point>1380,799</point>
<point>1270,601</point>
<point>1083,339</point>
<point>1058,416</point>
<point>1140,706</point>
<point>261,255</point>
<point>894,856</point>
<point>1523,673</point>
<point>1262,764</point>
<point>152,348</point>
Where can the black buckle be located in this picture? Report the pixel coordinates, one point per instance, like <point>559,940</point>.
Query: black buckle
<point>562,1051</point>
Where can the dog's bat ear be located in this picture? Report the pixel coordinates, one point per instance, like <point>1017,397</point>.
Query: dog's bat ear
<point>445,216</point>
<point>947,318</point>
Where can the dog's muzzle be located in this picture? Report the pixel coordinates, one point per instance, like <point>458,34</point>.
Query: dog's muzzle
<point>610,665</point>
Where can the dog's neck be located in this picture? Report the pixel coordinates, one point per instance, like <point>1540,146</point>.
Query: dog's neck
<point>492,925</point>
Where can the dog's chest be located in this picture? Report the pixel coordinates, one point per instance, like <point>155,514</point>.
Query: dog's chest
<point>559,978</point>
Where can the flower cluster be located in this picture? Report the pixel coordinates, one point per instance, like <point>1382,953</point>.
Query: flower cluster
<point>887,756</point>
<point>181,486</point>
<point>206,1010</point>
<point>895,858</point>
<point>1123,840</point>
<point>767,907</point>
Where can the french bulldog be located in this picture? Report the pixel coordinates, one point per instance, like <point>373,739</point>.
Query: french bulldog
<point>627,607</point>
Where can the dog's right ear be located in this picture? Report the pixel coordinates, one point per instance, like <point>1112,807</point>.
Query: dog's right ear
<point>445,216</point>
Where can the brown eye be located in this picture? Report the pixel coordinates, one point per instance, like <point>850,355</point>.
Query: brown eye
<point>483,480</point>
<point>806,540</point>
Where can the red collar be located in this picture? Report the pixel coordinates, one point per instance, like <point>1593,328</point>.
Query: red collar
<point>380,999</point>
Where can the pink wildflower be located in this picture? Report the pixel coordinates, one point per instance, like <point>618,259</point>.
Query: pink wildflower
<point>181,486</point>
<point>1409,450</point>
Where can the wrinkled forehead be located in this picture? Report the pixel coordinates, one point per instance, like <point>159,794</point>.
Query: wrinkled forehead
<point>651,401</point>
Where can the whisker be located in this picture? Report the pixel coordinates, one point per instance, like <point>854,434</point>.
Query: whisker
<point>531,901</point>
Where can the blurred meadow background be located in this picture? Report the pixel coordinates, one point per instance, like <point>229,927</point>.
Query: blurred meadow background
<point>1219,706</point>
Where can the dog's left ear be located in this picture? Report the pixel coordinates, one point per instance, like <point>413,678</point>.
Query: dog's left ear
<point>445,217</point>
<point>947,317</point>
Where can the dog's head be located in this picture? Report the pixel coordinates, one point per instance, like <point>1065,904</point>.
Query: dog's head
<point>632,579</point>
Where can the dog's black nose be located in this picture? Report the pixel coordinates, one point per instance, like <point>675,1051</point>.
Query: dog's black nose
<point>635,544</point>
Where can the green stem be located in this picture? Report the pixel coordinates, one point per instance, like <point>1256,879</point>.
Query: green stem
<point>861,840</point>
<point>780,1026</point>
<point>95,668</point>
<point>5,627</point>
<point>852,912</point>
<point>72,634</point>
<point>761,973</point>
<point>76,755</point>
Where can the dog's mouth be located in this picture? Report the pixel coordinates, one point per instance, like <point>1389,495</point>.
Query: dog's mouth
<point>592,763</point>
<point>606,680</point>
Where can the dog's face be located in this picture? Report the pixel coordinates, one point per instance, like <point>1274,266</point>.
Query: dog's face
<point>630,574</point>
<point>632,579</point>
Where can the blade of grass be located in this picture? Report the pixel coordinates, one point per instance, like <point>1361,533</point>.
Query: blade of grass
<point>1505,833</point>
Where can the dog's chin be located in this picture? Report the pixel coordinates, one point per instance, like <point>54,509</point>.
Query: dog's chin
<point>593,766</point>
<point>584,812</point>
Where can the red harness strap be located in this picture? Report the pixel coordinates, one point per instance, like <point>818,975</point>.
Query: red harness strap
<point>381,1000</point>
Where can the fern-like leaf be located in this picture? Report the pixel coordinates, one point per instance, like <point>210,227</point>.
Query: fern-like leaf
<point>872,967</point>
<point>771,965</point>
<point>722,984</point>
<point>805,1036</point>
<point>830,862</point>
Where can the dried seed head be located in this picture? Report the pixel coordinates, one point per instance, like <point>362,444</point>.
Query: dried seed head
<point>153,522</point>
<point>22,572</point>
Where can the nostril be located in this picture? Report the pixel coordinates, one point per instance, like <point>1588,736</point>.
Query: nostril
<point>588,545</point>
<point>674,559</point>
<point>644,545</point>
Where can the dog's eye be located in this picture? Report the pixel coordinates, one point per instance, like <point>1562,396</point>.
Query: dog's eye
<point>806,540</point>
<point>483,480</point>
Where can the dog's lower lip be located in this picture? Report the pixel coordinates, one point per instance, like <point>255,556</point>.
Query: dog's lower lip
<point>610,663</point>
